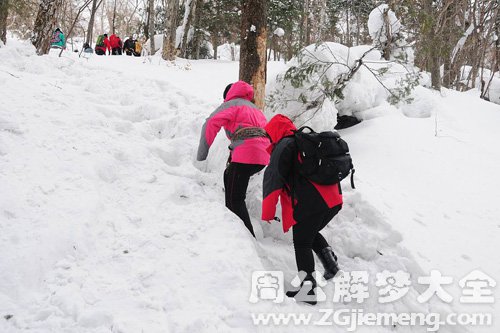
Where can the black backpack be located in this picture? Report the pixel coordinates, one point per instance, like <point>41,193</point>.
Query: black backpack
<point>323,157</point>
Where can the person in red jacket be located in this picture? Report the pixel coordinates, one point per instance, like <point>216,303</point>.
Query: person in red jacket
<point>313,208</point>
<point>116,44</point>
<point>243,124</point>
<point>107,44</point>
<point>102,47</point>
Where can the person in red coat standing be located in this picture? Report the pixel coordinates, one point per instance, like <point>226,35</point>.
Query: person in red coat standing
<point>313,206</point>
<point>116,44</point>
<point>107,44</point>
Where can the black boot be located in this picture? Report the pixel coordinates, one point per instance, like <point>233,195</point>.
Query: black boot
<point>308,295</point>
<point>329,261</point>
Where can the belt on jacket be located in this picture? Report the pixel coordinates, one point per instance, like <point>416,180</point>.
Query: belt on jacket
<point>249,133</point>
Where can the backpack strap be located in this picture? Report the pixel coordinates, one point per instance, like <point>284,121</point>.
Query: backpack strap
<point>305,127</point>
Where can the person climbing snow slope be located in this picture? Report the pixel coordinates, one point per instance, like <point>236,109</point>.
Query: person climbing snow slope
<point>306,206</point>
<point>243,123</point>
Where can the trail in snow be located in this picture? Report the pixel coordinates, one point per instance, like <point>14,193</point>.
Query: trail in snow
<point>109,225</point>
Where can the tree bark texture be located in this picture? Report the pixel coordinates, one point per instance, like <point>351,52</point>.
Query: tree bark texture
<point>169,47</point>
<point>151,28</point>
<point>188,20</point>
<point>4,13</point>
<point>197,38</point>
<point>90,29</point>
<point>114,19</point>
<point>253,47</point>
<point>44,25</point>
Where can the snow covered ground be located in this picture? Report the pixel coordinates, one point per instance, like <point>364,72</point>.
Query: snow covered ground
<point>108,225</point>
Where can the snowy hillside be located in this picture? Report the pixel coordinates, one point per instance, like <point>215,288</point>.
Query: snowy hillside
<point>108,225</point>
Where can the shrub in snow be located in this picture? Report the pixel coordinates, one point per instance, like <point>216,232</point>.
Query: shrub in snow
<point>331,78</point>
<point>490,81</point>
<point>383,24</point>
<point>228,51</point>
<point>158,44</point>
<point>387,34</point>
<point>494,91</point>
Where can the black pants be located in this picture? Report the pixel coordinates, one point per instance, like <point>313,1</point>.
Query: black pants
<point>236,178</point>
<point>306,238</point>
<point>116,51</point>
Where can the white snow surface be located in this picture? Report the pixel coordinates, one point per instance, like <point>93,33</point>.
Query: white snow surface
<point>108,225</point>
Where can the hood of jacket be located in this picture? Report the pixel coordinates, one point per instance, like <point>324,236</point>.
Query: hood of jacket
<point>277,128</point>
<point>240,89</point>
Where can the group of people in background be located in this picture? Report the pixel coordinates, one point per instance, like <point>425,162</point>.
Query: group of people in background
<point>112,45</point>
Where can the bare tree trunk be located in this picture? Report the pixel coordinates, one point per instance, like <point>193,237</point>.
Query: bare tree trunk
<point>386,51</point>
<point>277,49</point>
<point>169,47</point>
<point>151,28</point>
<point>114,19</point>
<point>497,42</point>
<point>432,47</point>
<point>215,43</point>
<point>271,44</point>
<point>309,25</point>
<point>102,16</point>
<point>253,47</point>
<point>447,79</point>
<point>289,44</point>
<point>90,29</point>
<point>358,33</point>
<point>348,28</point>
<point>197,30</point>
<point>305,26</point>
<point>448,41</point>
<point>4,13</point>
<point>187,25</point>
<point>322,19</point>
<point>44,25</point>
